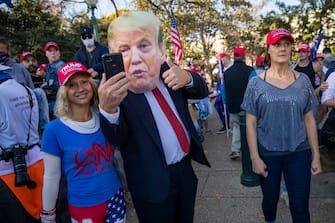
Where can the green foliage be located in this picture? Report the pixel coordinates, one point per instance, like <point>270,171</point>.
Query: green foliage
<point>29,25</point>
<point>202,25</point>
<point>238,23</point>
<point>304,20</point>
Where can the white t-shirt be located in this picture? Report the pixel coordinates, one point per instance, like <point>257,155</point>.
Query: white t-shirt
<point>329,94</point>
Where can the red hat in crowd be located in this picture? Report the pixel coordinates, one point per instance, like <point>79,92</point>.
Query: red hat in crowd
<point>259,61</point>
<point>43,67</point>
<point>304,47</point>
<point>318,56</point>
<point>198,69</point>
<point>193,69</point>
<point>50,44</point>
<point>69,69</point>
<point>24,54</point>
<point>222,55</point>
<point>277,34</point>
<point>239,52</point>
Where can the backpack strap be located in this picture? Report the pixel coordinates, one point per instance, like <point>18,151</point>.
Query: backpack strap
<point>4,77</point>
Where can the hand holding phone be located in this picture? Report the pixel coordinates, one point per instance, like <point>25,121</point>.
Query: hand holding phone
<point>112,63</point>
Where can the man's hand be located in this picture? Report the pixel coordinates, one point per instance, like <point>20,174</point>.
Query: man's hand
<point>112,92</point>
<point>324,86</point>
<point>176,77</point>
<point>92,72</point>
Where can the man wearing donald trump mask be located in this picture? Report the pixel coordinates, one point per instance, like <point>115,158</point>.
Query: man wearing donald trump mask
<point>144,111</point>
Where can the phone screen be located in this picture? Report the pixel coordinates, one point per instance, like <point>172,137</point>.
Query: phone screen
<point>113,64</point>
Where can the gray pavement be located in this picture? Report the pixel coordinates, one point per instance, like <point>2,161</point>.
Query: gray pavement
<point>222,199</point>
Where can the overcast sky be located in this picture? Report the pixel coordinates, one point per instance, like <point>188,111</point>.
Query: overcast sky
<point>105,7</point>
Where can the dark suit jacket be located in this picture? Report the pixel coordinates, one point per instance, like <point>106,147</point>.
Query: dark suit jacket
<point>140,145</point>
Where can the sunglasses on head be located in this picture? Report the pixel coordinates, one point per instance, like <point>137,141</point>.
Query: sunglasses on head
<point>89,36</point>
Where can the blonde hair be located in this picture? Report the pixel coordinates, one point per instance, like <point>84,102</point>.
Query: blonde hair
<point>62,106</point>
<point>135,20</point>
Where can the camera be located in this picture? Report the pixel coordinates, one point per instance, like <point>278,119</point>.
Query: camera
<point>17,153</point>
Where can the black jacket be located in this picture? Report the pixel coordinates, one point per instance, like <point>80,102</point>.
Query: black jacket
<point>236,81</point>
<point>140,145</point>
<point>95,62</point>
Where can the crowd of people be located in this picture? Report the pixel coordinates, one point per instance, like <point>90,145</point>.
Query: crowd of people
<point>73,119</point>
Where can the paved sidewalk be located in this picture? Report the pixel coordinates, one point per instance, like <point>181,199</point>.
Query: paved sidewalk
<point>222,199</point>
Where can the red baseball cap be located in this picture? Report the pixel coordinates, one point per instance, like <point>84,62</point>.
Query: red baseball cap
<point>24,54</point>
<point>43,67</point>
<point>69,69</point>
<point>239,52</point>
<point>304,47</point>
<point>50,44</point>
<point>197,69</point>
<point>277,34</point>
<point>259,61</point>
<point>222,55</point>
<point>318,56</point>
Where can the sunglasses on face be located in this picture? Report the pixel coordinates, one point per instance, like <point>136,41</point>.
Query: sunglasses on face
<point>87,36</point>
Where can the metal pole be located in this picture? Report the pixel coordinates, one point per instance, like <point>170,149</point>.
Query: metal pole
<point>94,24</point>
<point>248,177</point>
<point>116,11</point>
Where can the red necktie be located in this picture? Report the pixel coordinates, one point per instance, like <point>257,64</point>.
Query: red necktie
<point>175,123</point>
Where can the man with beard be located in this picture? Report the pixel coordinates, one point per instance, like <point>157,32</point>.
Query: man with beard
<point>29,61</point>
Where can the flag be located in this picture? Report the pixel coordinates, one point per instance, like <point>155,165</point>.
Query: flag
<point>176,42</point>
<point>218,79</point>
<point>315,46</point>
<point>221,67</point>
<point>8,3</point>
<point>223,92</point>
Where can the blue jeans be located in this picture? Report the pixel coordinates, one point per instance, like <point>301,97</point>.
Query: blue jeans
<point>51,109</point>
<point>43,108</point>
<point>296,168</point>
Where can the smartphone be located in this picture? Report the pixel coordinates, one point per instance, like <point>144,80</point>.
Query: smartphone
<point>112,63</point>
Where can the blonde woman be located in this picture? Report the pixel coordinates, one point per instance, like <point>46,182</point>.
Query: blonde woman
<point>74,144</point>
